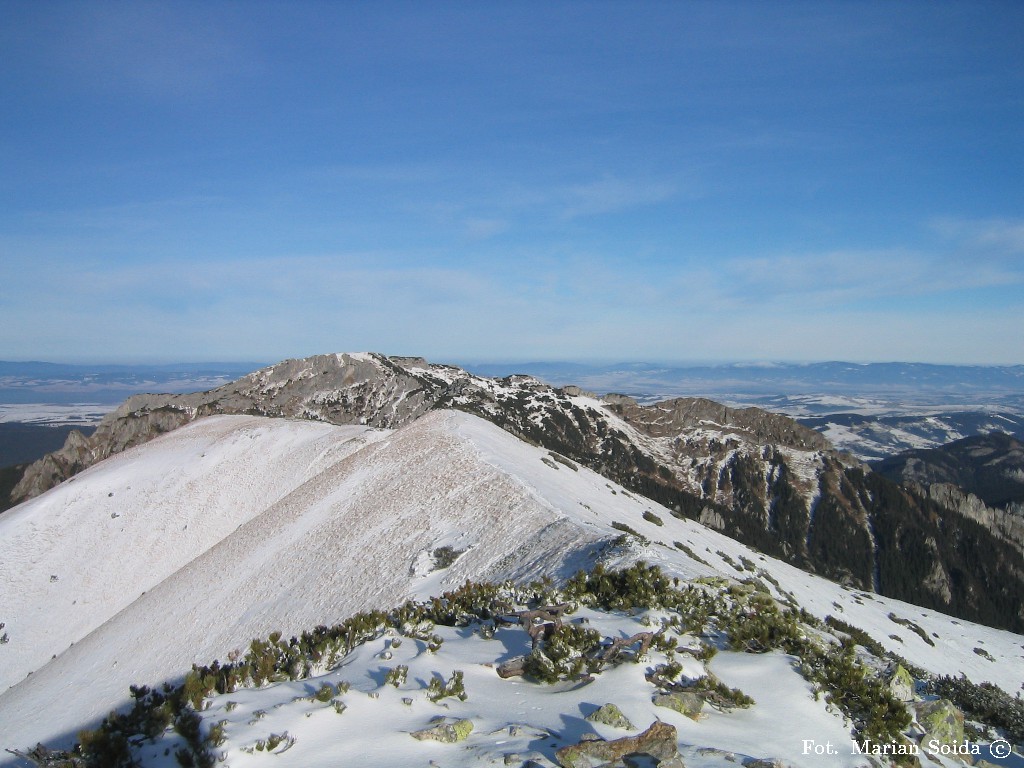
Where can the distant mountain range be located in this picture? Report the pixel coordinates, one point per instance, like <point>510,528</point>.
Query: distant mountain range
<point>40,382</point>
<point>981,477</point>
<point>872,411</point>
<point>989,466</point>
<point>910,380</point>
<point>873,437</point>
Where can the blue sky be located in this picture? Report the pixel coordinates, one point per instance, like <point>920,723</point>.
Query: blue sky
<point>704,181</point>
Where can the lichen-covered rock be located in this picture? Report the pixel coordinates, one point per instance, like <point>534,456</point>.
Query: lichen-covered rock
<point>445,730</point>
<point>683,702</point>
<point>942,722</point>
<point>901,684</point>
<point>531,759</point>
<point>611,715</point>
<point>658,741</point>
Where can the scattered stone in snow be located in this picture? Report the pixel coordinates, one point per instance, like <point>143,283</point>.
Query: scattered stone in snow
<point>684,702</point>
<point>611,715</point>
<point>942,722</point>
<point>445,730</point>
<point>658,741</point>
<point>564,461</point>
<point>901,684</point>
<point>536,760</point>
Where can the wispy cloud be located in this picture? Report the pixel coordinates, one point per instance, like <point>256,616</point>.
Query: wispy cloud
<point>611,195</point>
<point>150,49</point>
<point>490,207</point>
<point>823,277</point>
<point>993,237</point>
<point>483,229</point>
<point>857,275</point>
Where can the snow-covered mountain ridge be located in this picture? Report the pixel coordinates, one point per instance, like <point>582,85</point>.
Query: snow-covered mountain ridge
<point>758,477</point>
<point>356,529</point>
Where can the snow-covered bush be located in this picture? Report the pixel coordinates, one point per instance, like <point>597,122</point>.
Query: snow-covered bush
<point>565,654</point>
<point>438,689</point>
<point>985,702</point>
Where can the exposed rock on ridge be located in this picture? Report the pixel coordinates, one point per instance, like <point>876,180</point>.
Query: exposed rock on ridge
<point>670,417</point>
<point>339,389</point>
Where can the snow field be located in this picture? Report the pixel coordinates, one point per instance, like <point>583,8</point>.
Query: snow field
<point>75,556</point>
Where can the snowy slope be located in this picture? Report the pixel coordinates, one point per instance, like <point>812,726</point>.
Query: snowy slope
<point>71,559</point>
<point>320,521</point>
<point>599,502</point>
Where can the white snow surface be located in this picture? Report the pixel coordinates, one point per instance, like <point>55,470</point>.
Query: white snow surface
<point>235,526</point>
<point>75,556</point>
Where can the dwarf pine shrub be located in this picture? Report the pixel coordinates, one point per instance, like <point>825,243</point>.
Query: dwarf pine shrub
<point>217,736</point>
<point>325,693</point>
<point>985,702</point>
<point>635,534</point>
<point>275,740</point>
<point>652,518</point>
<point>445,557</point>
<point>718,694</point>
<point>438,688</point>
<point>459,607</point>
<point>105,746</point>
<point>913,627</point>
<point>639,586</point>
<point>759,626</point>
<point>397,675</point>
<point>863,697</point>
<point>564,655</point>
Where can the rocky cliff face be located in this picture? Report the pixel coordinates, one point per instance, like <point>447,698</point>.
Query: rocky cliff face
<point>1007,523</point>
<point>761,478</point>
<point>979,477</point>
<point>990,467</point>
